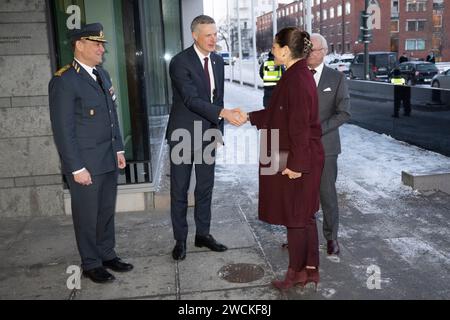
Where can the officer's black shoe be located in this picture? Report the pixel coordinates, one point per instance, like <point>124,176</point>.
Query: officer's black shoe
<point>118,265</point>
<point>179,251</point>
<point>99,275</point>
<point>210,243</point>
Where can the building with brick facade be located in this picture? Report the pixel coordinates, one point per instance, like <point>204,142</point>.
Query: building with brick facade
<point>413,26</point>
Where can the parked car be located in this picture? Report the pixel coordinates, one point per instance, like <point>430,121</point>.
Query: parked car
<point>441,80</point>
<point>342,63</point>
<point>380,65</point>
<point>415,72</point>
<point>227,58</point>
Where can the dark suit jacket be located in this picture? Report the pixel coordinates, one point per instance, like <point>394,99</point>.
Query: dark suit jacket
<point>84,121</point>
<point>334,108</point>
<point>191,101</point>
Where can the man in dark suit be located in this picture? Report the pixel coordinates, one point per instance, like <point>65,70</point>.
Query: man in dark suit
<point>86,131</point>
<point>197,75</point>
<point>334,109</point>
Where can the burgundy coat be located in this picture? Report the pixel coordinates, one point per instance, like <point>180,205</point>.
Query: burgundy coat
<point>294,111</point>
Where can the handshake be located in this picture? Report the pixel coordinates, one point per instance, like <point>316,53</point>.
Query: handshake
<point>236,116</point>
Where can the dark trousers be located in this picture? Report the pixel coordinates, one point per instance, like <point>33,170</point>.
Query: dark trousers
<point>180,177</point>
<point>93,209</point>
<point>328,198</point>
<point>267,96</point>
<point>303,246</point>
<point>402,94</point>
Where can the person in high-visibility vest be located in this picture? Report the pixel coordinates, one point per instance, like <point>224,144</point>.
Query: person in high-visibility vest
<point>271,74</point>
<point>402,94</point>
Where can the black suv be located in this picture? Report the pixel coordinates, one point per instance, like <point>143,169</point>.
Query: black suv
<point>380,65</point>
<point>417,72</point>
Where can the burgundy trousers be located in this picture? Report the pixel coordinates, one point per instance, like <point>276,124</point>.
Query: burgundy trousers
<point>303,246</point>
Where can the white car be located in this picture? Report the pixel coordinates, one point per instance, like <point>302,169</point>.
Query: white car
<point>342,63</point>
<point>441,80</point>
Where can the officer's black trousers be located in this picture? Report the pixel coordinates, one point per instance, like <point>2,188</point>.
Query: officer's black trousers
<point>93,209</point>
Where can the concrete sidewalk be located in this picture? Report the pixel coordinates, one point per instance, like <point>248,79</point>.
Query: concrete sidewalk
<point>401,233</point>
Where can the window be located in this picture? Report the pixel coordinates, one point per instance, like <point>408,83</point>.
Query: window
<point>421,25</point>
<point>415,44</point>
<point>410,25</point>
<point>331,13</point>
<point>318,15</point>
<point>324,14</point>
<point>416,6</point>
<point>436,42</point>
<point>394,26</point>
<point>394,8</point>
<point>348,8</point>
<point>415,25</point>
<point>339,10</point>
<point>347,45</point>
<point>317,2</point>
<point>437,21</point>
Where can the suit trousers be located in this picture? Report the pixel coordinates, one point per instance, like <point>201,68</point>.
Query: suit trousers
<point>328,198</point>
<point>180,177</point>
<point>93,210</point>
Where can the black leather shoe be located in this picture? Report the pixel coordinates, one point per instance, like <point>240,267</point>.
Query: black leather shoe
<point>179,251</point>
<point>118,265</point>
<point>333,247</point>
<point>210,243</point>
<point>99,275</point>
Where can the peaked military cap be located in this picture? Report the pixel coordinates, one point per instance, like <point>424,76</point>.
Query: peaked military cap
<point>93,32</point>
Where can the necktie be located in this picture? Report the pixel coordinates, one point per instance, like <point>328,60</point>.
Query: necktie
<point>208,79</point>
<point>313,71</point>
<point>99,79</point>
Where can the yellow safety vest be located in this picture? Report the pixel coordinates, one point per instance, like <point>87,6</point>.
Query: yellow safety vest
<point>398,81</point>
<point>272,73</point>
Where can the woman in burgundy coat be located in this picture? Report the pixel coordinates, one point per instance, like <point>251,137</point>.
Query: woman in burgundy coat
<point>291,197</point>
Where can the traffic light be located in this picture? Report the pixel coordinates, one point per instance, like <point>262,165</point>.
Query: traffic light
<point>365,34</point>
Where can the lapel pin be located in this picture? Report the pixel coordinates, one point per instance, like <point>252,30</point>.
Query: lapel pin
<point>92,112</point>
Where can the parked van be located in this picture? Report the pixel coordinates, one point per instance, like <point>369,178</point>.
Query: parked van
<point>380,65</point>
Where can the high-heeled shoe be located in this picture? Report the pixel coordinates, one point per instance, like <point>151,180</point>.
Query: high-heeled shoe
<point>312,276</point>
<point>292,279</point>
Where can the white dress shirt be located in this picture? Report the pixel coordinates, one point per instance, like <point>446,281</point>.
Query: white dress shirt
<point>210,69</point>
<point>318,73</point>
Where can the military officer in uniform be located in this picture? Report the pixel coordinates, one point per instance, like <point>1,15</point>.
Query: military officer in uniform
<point>86,131</point>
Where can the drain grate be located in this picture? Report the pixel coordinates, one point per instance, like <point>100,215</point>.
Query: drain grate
<point>241,273</point>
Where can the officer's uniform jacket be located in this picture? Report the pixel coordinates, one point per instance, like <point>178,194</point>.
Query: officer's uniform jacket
<point>84,120</point>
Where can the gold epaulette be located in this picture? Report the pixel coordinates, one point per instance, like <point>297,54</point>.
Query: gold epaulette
<point>60,72</point>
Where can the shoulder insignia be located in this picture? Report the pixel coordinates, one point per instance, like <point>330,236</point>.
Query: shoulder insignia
<point>60,72</point>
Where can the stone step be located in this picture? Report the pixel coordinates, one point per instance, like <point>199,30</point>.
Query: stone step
<point>430,180</point>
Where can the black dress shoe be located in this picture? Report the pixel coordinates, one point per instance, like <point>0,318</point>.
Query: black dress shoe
<point>210,243</point>
<point>99,275</point>
<point>333,247</point>
<point>118,265</point>
<point>179,251</point>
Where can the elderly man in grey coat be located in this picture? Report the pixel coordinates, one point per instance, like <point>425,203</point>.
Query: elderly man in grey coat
<point>334,109</point>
